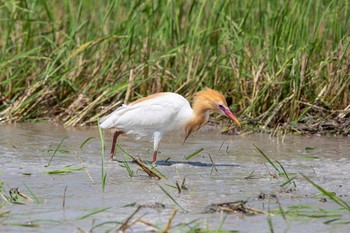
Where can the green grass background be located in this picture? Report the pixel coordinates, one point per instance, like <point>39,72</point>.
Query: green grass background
<point>276,61</point>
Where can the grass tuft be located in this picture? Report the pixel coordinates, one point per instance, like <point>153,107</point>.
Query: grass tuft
<point>329,194</point>
<point>282,173</point>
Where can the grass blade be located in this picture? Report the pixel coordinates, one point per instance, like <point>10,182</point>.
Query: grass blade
<point>38,201</point>
<point>330,195</point>
<point>128,168</point>
<point>54,153</point>
<point>65,170</point>
<point>93,213</point>
<point>166,192</point>
<point>193,154</point>
<point>103,172</point>
<point>286,175</point>
<point>269,221</point>
<point>288,181</point>
<point>268,159</point>
<point>88,139</point>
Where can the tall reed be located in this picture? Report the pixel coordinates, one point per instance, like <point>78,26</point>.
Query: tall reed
<point>276,61</point>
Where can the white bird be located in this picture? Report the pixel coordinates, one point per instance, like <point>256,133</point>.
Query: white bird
<point>160,113</point>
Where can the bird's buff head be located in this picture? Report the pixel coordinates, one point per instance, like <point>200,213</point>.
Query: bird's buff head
<point>211,100</point>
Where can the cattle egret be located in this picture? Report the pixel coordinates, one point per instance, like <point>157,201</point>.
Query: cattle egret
<point>160,113</point>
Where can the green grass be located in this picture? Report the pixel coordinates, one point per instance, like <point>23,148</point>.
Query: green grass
<point>86,141</point>
<point>65,170</point>
<point>275,61</point>
<point>171,197</point>
<point>308,211</point>
<point>331,195</point>
<point>280,173</point>
<point>55,151</point>
<point>103,169</point>
<point>94,212</point>
<point>187,157</point>
<point>38,201</point>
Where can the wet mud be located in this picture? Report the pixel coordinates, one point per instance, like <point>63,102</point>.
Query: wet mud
<point>227,186</point>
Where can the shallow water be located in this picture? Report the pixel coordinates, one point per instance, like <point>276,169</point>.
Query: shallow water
<point>26,148</point>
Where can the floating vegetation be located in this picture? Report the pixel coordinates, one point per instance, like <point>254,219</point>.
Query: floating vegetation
<point>232,207</point>
<point>15,196</point>
<point>308,211</point>
<point>65,170</point>
<point>150,171</point>
<point>27,224</point>
<point>156,205</point>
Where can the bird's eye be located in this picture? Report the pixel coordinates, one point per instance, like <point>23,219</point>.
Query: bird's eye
<point>222,107</point>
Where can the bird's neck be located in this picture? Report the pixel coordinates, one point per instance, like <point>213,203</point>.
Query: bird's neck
<point>200,117</point>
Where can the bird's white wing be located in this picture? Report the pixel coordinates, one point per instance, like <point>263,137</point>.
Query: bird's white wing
<point>103,119</point>
<point>148,116</point>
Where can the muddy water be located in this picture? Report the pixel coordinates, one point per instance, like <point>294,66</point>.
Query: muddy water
<point>240,174</point>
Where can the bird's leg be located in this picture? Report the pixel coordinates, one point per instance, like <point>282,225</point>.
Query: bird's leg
<point>154,156</point>
<point>156,139</point>
<point>115,136</point>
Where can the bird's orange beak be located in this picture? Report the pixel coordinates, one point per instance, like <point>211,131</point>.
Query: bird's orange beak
<point>231,116</point>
